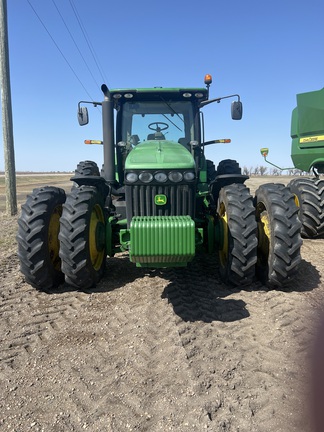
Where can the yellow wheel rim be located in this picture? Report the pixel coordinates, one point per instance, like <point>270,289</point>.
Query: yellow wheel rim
<point>53,241</point>
<point>297,201</point>
<point>264,234</point>
<point>223,251</point>
<point>97,237</point>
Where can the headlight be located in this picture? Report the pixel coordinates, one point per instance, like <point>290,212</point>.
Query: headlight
<point>189,176</point>
<point>161,177</point>
<point>131,177</point>
<point>175,176</point>
<point>146,177</point>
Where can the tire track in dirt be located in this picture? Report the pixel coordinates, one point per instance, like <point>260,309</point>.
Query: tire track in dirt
<point>37,313</point>
<point>154,350</point>
<point>251,364</point>
<point>133,372</point>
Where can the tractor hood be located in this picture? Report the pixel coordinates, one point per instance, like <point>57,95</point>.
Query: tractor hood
<point>159,155</point>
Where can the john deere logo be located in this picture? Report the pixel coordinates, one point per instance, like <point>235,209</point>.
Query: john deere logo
<point>160,199</point>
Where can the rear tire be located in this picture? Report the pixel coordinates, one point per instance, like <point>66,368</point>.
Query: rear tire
<point>87,168</point>
<point>309,195</point>
<point>38,230</point>
<point>237,235</point>
<point>228,166</point>
<point>279,239</point>
<point>82,237</point>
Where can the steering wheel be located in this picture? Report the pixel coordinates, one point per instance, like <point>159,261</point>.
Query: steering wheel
<point>157,127</point>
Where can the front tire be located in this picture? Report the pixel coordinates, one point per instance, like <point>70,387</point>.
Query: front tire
<point>237,231</point>
<point>38,230</point>
<point>309,194</point>
<point>279,239</point>
<point>82,237</point>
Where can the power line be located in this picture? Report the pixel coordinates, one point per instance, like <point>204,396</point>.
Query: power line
<point>87,39</point>
<point>64,57</point>
<point>76,45</point>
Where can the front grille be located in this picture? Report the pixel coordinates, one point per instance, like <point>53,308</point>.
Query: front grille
<point>140,200</point>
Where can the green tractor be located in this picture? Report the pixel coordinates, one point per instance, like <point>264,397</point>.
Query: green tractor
<point>307,153</point>
<point>158,198</point>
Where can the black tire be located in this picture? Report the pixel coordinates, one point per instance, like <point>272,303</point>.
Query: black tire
<point>37,237</point>
<point>279,239</point>
<point>87,168</point>
<point>228,166</point>
<point>211,172</point>
<point>309,193</point>
<point>238,235</point>
<point>82,237</point>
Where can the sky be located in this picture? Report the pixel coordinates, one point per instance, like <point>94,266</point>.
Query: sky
<point>266,51</point>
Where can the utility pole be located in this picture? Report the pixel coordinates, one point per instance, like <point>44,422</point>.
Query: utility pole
<point>7,125</point>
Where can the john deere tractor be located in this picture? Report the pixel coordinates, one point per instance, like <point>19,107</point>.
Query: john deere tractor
<point>307,153</point>
<point>159,199</point>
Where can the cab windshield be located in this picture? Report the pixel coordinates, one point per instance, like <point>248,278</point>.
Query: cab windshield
<point>157,120</point>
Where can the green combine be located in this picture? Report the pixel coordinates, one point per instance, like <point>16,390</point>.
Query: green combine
<point>307,154</point>
<point>159,199</point>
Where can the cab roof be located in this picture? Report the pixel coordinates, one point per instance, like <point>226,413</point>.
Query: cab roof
<point>158,93</point>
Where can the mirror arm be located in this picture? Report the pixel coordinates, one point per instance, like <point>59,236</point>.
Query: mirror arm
<point>88,102</point>
<point>207,102</point>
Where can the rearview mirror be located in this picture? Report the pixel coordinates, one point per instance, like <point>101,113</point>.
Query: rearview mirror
<point>237,110</point>
<point>83,117</point>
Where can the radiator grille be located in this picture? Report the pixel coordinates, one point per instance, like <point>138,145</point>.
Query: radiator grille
<point>140,200</point>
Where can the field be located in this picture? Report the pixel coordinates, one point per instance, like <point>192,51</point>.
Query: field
<point>154,350</point>
<point>27,182</point>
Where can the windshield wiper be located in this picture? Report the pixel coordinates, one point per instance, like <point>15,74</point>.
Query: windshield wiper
<point>169,120</point>
<point>175,112</point>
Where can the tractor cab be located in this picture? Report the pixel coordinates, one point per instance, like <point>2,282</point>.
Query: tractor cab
<point>156,125</point>
<point>158,114</point>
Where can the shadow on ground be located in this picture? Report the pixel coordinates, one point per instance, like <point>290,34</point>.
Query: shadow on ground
<point>196,292</point>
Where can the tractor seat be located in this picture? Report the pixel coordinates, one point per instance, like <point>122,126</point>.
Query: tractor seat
<point>156,136</point>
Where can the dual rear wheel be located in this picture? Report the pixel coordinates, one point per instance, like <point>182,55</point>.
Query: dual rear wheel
<point>62,237</point>
<point>258,237</point>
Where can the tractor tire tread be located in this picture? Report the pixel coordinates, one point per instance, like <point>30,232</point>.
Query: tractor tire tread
<point>242,228</point>
<point>285,243</point>
<point>228,166</point>
<point>87,168</point>
<point>32,237</point>
<point>310,194</point>
<point>73,234</point>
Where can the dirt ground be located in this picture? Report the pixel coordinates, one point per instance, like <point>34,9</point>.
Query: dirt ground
<point>156,350</point>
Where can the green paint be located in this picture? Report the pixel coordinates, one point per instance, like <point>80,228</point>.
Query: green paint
<point>162,241</point>
<point>307,131</point>
<point>159,155</point>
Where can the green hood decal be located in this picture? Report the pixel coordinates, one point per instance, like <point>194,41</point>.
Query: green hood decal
<point>159,154</point>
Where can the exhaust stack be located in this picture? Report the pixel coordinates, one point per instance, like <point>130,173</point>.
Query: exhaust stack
<point>108,135</point>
